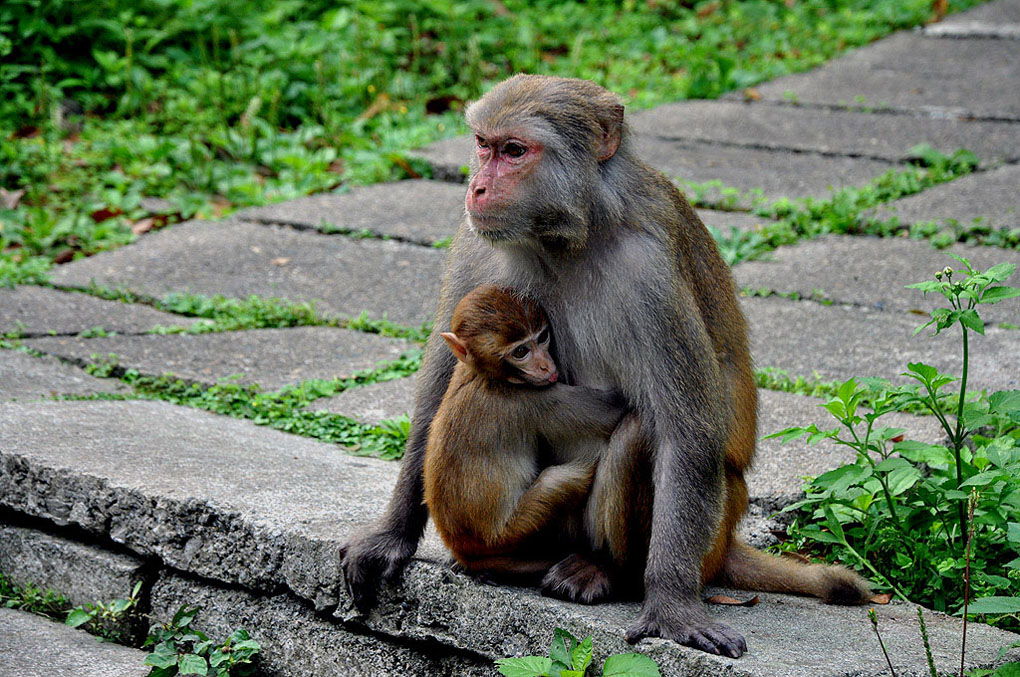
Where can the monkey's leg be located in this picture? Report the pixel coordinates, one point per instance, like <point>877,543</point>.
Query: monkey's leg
<point>617,522</point>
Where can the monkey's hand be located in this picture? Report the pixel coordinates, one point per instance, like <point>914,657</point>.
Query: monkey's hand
<point>690,625</point>
<point>370,558</point>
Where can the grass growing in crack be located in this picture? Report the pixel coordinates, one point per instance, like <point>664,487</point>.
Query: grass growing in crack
<point>846,211</point>
<point>179,649</point>
<point>284,409</point>
<point>32,599</point>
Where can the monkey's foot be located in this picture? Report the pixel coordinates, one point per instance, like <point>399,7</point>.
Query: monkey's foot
<point>699,632</point>
<point>578,579</point>
<point>370,558</point>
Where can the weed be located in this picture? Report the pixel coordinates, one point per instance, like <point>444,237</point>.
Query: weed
<point>32,599</point>
<point>570,657</point>
<point>179,649</point>
<point>107,620</point>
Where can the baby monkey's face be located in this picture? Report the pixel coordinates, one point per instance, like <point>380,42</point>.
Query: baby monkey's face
<point>531,359</point>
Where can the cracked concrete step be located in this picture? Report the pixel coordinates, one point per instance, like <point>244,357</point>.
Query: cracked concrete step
<point>40,311</point>
<point>834,132</point>
<point>911,73</point>
<point>32,646</point>
<point>145,483</point>
<point>805,338</point>
<point>776,173</point>
<point>418,211</point>
<point>992,20</point>
<point>989,198</point>
<point>873,272</point>
<point>25,377</point>
<point>343,275</point>
<point>272,358</point>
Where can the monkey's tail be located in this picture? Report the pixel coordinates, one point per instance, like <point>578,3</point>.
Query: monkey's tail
<point>749,569</point>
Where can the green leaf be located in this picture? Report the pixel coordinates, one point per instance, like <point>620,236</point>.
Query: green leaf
<point>836,408</point>
<point>562,649</point>
<point>821,536</point>
<point>190,664</point>
<point>77,617</point>
<point>161,660</point>
<point>996,294</point>
<point>971,320</point>
<point>982,478</point>
<point>571,673</point>
<point>994,605</point>
<point>1013,533</point>
<point>581,657</point>
<point>527,666</point>
<point>1008,670</point>
<point>1000,272</point>
<point>630,665</point>
<point>890,464</point>
<point>1004,401</point>
<point>833,523</point>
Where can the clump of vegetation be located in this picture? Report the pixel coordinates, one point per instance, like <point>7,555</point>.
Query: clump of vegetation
<point>32,599</point>
<point>899,512</point>
<point>179,649</point>
<point>108,620</point>
<point>211,105</point>
<point>570,657</point>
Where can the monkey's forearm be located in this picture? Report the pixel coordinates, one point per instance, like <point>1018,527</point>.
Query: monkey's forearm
<point>555,488</point>
<point>579,411</point>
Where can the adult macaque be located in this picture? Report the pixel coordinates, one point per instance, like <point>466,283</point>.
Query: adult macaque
<point>559,208</point>
<point>498,511</point>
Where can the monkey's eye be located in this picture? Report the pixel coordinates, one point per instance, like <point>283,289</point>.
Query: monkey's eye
<point>520,352</point>
<point>543,338</point>
<point>514,149</point>
<point>482,143</point>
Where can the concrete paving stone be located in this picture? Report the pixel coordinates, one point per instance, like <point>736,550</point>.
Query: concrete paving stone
<point>272,358</point>
<point>373,403</point>
<point>33,646</point>
<point>909,72</point>
<point>417,211</point>
<point>991,197</point>
<point>725,221</point>
<point>39,311</point>
<point>832,132</point>
<point>146,483</point>
<point>871,271</point>
<point>837,342</point>
<point>209,495</point>
<point>449,158</point>
<point>777,173</point>
<point>993,20</point>
<point>775,480</point>
<point>83,573</point>
<point>345,276</point>
<point>296,642</point>
<point>25,377</point>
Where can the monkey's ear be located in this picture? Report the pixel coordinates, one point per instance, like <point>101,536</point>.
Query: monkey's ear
<point>612,131</point>
<point>458,347</point>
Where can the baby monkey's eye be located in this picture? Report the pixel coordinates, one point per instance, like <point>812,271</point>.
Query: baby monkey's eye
<point>543,337</point>
<point>520,352</point>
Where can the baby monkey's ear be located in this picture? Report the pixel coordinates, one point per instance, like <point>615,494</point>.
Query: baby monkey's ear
<point>458,347</point>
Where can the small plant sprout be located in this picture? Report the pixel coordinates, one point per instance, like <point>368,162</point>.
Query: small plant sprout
<point>873,617</point>
<point>570,657</point>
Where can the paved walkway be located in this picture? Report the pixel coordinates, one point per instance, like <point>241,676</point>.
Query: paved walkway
<point>246,520</point>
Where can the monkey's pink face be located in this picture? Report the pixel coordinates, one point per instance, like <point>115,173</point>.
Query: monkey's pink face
<point>504,162</point>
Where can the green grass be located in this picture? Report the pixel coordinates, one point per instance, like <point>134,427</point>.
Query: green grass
<point>214,105</point>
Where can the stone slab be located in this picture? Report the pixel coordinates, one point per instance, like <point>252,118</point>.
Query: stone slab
<point>871,271</point>
<point>372,403</point>
<point>40,311</point>
<point>25,377</point>
<point>992,20</point>
<point>824,131</point>
<point>909,72</point>
<point>145,483</point>
<point>272,358</point>
<point>776,173</point>
<point>449,158</point>
<point>33,646</point>
<point>837,342</point>
<point>345,276</point>
<point>992,198</point>
<point>83,573</point>
<point>418,211</point>
<point>296,642</point>
<point>786,636</point>
<point>209,495</point>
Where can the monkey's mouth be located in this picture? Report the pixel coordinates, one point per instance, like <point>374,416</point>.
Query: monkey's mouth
<point>490,227</point>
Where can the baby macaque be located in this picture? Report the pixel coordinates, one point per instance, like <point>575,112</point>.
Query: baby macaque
<point>496,509</point>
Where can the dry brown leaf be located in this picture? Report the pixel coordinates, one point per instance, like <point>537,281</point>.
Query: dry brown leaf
<point>752,94</point>
<point>280,261</point>
<point>9,199</point>
<point>731,601</point>
<point>381,103</point>
<point>104,213</point>
<point>64,256</point>
<point>143,225</point>
<point>883,598</point>
<point>405,165</point>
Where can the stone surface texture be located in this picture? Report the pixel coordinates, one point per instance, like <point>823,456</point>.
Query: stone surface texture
<point>272,358</point>
<point>372,403</point>
<point>344,276</point>
<point>32,646</point>
<point>39,311</point>
<point>25,377</point>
